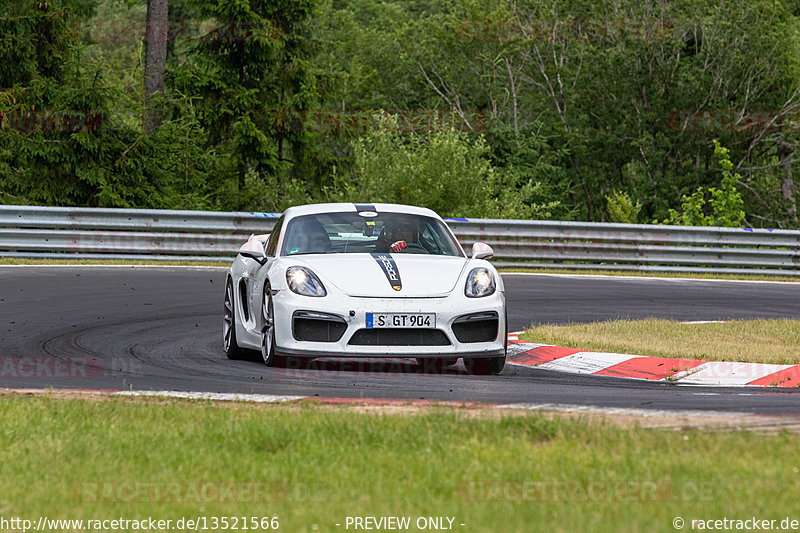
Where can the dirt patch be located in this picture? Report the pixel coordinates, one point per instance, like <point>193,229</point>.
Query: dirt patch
<point>626,418</point>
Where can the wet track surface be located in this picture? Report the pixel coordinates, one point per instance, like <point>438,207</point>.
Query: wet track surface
<point>160,329</point>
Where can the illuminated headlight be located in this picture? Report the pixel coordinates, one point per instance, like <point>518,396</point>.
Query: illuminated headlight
<point>480,282</point>
<point>302,281</point>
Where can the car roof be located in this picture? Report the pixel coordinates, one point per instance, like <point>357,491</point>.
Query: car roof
<point>345,207</point>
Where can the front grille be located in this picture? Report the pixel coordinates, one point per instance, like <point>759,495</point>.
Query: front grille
<point>317,327</point>
<point>478,327</point>
<point>399,337</point>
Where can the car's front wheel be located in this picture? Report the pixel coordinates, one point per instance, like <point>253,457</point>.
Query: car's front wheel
<point>232,350</point>
<point>268,331</point>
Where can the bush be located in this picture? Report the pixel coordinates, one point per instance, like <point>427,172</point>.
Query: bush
<point>621,208</point>
<point>713,207</point>
<point>446,170</point>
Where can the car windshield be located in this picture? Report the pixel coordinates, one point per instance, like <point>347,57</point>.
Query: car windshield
<point>352,232</point>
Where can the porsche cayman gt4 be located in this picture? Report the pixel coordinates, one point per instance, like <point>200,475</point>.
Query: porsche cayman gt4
<point>365,280</point>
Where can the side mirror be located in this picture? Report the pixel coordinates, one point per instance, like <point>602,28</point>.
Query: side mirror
<point>481,250</point>
<point>254,249</point>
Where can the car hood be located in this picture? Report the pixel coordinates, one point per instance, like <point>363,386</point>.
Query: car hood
<point>368,275</point>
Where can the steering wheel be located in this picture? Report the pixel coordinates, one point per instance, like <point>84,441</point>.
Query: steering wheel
<point>415,246</point>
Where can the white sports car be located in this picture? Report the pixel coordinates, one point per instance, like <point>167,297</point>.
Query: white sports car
<point>365,280</point>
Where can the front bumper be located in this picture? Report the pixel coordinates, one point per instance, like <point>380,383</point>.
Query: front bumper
<point>353,310</point>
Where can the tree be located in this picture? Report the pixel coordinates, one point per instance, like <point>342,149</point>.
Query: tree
<point>253,76</point>
<point>155,58</point>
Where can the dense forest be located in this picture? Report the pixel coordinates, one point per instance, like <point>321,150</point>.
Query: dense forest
<point>646,111</point>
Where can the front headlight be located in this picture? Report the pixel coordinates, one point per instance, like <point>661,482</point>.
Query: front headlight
<point>302,281</point>
<point>480,282</point>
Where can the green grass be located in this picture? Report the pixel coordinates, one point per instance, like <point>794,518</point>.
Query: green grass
<point>335,463</point>
<point>755,341</point>
<point>688,275</point>
<point>644,274</point>
<point>28,261</point>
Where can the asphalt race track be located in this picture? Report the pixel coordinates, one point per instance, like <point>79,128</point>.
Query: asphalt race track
<point>160,328</point>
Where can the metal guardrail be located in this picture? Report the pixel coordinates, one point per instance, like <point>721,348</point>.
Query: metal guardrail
<point>57,232</point>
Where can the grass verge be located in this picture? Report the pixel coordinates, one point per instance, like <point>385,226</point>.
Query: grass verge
<point>86,459</point>
<point>27,261</point>
<point>645,274</point>
<point>754,341</point>
<point>504,270</point>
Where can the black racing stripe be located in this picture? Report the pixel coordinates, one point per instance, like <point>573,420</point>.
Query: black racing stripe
<point>389,268</point>
<point>365,207</point>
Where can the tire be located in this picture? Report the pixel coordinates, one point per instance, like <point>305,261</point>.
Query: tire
<point>436,364</point>
<point>229,344</point>
<point>268,332</point>
<point>485,366</point>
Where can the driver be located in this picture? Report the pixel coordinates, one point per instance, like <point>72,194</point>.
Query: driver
<point>402,234</point>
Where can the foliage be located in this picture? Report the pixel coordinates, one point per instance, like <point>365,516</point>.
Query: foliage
<point>621,208</point>
<point>445,170</point>
<point>712,206</point>
<point>550,109</point>
<point>251,72</point>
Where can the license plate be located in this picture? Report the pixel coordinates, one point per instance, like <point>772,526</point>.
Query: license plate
<point>401,320</point>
